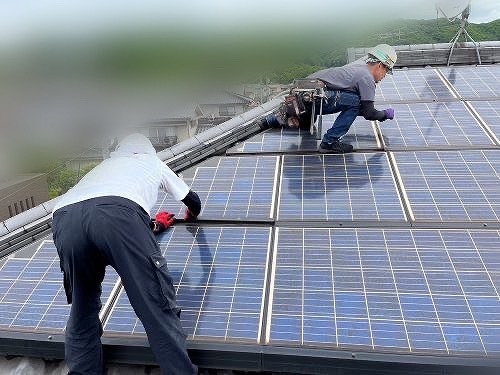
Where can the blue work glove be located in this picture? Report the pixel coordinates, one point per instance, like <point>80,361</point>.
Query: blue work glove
<point>389,114</point>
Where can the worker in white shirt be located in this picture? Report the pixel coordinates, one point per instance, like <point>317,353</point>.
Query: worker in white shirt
<point>104,220</point>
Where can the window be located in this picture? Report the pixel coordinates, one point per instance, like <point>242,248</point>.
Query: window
<point>16,208</point>
<point>32,201</point>
<point>228,110</point>
<point>10,211</point>
<point>22,205</point>
<point>27,203</point>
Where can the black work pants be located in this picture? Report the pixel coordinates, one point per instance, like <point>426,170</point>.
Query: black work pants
<point>115,231</point>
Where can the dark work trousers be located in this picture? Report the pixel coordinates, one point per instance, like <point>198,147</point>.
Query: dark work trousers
<point>115,231</point>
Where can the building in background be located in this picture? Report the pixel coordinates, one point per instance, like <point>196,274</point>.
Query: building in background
<point>22,193</point>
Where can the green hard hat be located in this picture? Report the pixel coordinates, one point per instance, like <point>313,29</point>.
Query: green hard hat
<point>385,54</point>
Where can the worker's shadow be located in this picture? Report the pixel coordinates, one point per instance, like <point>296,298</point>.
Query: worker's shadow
<point>192,278</point>
<point>324,176</point>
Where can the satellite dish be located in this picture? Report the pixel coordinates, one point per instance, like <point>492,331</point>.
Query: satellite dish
<point>454,10</point>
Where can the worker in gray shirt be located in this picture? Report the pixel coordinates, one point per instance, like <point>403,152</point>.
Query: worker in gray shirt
<point>350,90</point>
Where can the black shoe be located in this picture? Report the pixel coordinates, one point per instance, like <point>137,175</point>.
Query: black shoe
<point>335,148</point>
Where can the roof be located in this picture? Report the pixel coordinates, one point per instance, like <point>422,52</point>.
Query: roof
<point>219,98</point>
<point>382,260</point>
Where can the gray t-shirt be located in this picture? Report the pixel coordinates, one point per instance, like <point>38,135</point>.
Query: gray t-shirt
<point>353,77</point>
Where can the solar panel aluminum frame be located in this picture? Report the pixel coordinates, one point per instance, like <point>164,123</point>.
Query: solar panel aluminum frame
<point>434,222</point>
<point>480,122</point>
<point>140,339</point>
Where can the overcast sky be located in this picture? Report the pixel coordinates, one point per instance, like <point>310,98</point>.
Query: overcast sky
<point>22,19</point>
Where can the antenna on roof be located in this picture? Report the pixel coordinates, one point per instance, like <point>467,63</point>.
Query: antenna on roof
<point>456,10</point>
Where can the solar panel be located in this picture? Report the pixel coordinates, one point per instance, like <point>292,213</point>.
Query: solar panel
<point>32,296</point>
<point>433,125</point>
<point>235,188</point>
<point>490,113</point>
<point>408,290</point>
<point>361,135</point>
<point>219,275</point>
<point>474,82</point>
<point>452,185</point>
<point>339,187</point>
<point>413,84</point>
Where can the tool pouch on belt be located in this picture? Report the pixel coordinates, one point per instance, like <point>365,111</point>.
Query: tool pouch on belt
<point>299,102</point>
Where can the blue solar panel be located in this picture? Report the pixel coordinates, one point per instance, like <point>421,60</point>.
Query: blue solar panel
<point>452,185</point>
<point>236,188</point>
<point>413,84</point>
<point>489,111</point>
<point>219,275</point>
<point>32,296</point>
<point>361,135</point>
<point>474,82</point>
<point>428,125</point>
<point>398,290</point>
<point>339,187</point>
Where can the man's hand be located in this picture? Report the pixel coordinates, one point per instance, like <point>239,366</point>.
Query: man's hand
<point>389,114</point>
<point>188,216</point>
<point>163,221</point>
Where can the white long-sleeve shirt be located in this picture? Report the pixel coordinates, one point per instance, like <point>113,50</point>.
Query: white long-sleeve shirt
<point>133,171</point>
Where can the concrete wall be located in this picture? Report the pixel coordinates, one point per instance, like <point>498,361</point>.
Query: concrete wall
<point>23,196</point>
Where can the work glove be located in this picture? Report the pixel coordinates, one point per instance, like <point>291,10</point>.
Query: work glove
<point>188,216</point>
<point>389,114</point>
<point>162,221</point>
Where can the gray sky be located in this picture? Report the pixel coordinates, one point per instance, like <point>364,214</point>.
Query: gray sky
<point>24,18</point>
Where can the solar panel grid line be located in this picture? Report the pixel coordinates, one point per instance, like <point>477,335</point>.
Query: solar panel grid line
<point>206,288</point>
<point>333,293</point>
<point>219,289</point>
<point>32,291</point>
<point>451,186</point>
<point>434,125</point>
<point>233,294</point>
<point>18,280</point>
<point>359,186</point>
<point>237,188</point>
<point>413,85</point>
<point>391,331</point>
<point>484,266</point>
<point>477,182</point>
<point>32,296</point>
<point>473,82</point>
<point>485,124</point>
<point>364,292</point>
<point>232,185</point>
<point>465,295</point>
<point>397,290</point>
